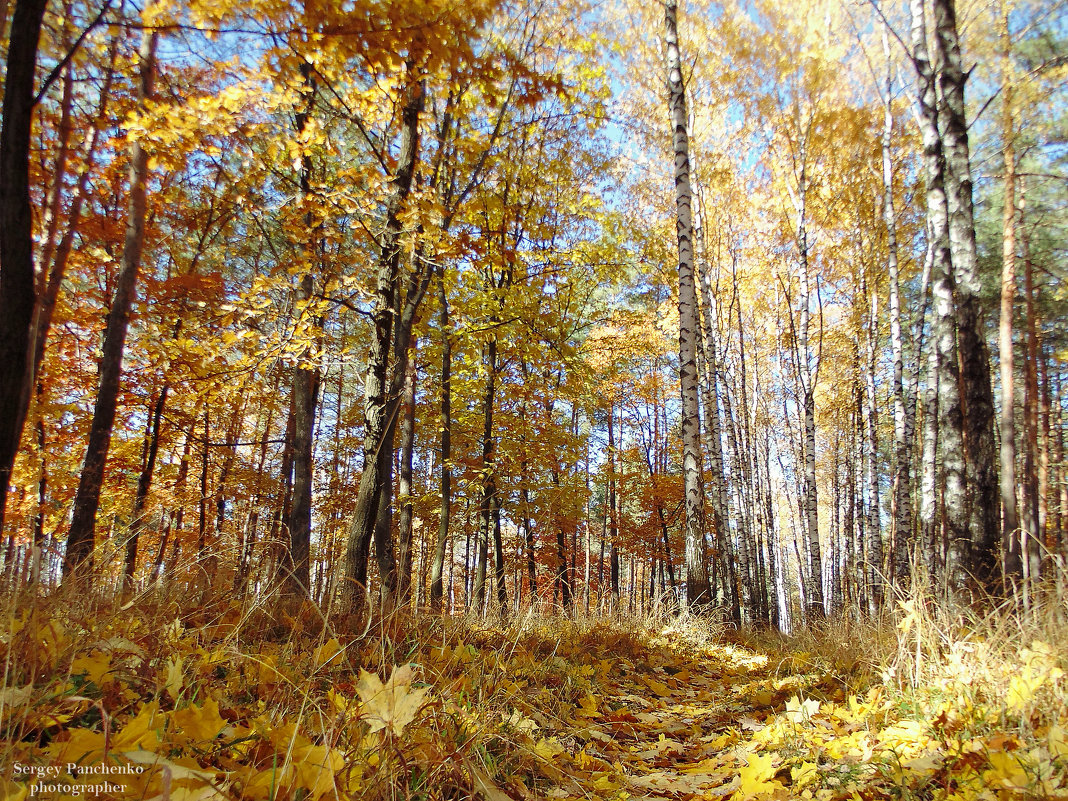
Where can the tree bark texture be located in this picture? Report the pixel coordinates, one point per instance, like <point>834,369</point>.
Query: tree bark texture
<point>957,545</point>
<point>901,486</point>
<point>83,522</point>
<point>438,567</point>
<point>698,592</point>
<point>304,392</point>
<point>1010,519</point>
<point>405,521</point>
<point>978,401</point>
<point>380,403</point>
<point>17,296</point>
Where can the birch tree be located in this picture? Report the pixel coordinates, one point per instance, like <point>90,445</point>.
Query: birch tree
<point>698,592</point>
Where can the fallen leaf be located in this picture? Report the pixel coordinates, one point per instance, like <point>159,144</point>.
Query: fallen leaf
<point>391,705</point>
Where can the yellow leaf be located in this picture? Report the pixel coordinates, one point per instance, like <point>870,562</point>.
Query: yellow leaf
<point>1022,688</point>
<point>204,792</point>
<point>177,770</point>
<point>391,705</point>
<point>200,723</point>
<point>589,706</point>
<point>93,667</point>
<point>139,733</point>
<point>10,791</point>
<point>267,783</point>
<point>657,687</point>
<point>1058,742</point>
<point>799,711</point>
<point>15,696</point>
<point>548,748</point>
<point>704,767</point>
<point>485,786</point>
<point>80,746</point>
<point>605,782</point>
<point>755,778</point>
<point>317,765</point>
<point>804,773</point>
<point>906,737</point>
<point>174,679</point>
<point>328,652</point>
<point>1007,769</point>
<point>340,703</point>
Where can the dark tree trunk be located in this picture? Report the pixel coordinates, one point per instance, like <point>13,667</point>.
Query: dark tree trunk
<point>17,296</point>
<point>613,520</point>
<point>380,396</point>
<point>304,394</point>
<point>144,483</point>
<point>950,429</point>
<point>563,577</point>
<point>404,489</point>
<point>438,568</point>
<point>83,522</point>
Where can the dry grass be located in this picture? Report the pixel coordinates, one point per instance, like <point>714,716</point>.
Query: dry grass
<point>285,684</point>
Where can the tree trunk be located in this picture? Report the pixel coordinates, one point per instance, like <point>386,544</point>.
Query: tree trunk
<point>708,346</point>
<point>901,499</point>
<point>83,522</point>
<point>144,483</point>
<point>1033,535</point>
<point>17,295</point>
<point>978,401</point>
<point>380,404</point>
<point>385,557</point>
<point>950,415</point>
<point>563,577</point>
<point>814,610</point>
<point>404,488</point>
<point>488,510</point>
<point>438,568</point>
<point>1049,539</point>
<point>698,592</point>
<point>875,537</point>
<point>304,393</point>
<point>56,259</point>
<point>1009,514</point>
<point>740,572</point>
<point>613,519</point>
<point>525,521</point>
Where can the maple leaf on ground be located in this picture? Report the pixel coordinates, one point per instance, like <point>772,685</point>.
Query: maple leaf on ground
<point>316,767</point>
<point>328,652</point>
<point>391,705</point>
<point>755,778</point>
<point>200,723</point>
<point>173,678</point>
<point>804,773</point>
<point>139,733</point>
<point>799,711</point>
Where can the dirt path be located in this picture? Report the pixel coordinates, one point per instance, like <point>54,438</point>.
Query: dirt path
<point>674,724</point>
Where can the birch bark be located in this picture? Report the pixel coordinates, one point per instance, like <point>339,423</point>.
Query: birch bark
<point>698,592</point>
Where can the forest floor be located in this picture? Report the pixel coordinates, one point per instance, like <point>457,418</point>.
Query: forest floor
<point>226,701</point>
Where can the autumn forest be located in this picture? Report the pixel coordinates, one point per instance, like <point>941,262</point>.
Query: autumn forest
<point>364,325</point>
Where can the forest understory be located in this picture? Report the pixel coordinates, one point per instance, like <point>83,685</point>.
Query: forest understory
<point>516,318</point>
<point>172,700</point>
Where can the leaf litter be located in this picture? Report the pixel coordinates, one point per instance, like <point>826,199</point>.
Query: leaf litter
<point>450,709</point>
